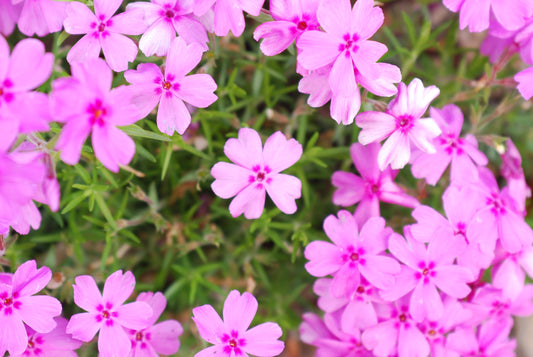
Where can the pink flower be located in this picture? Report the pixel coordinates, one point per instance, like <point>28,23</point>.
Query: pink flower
<point>165,18</point>
<point>426,270</point>
<point>25,69</point>
<point>156,338</point>
<point>401,124</point>
<point>345,45</point>
<point>18,307</point>
<point>231,337</point>
<point>462,153</point>
<point>103,31</point>
<point>107,313</point>
<point>292,19</point>
<point>352,255</point>
<point>257,170</point>
<point>475,15</point>
<point>9,14</point>
<point>373,186</point>
<point>95,109</point>
<point>41,17</point>
<point>490,340</point>
<point>173,88</point>
<point>512,170</point>
<point>54,343</point>
<point>525,82</point>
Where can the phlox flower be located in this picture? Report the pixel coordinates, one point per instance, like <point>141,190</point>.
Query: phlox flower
<point>525,80</point>
<point>257,171</point>
<point>291,19</point>
<point>330,338</point>
<point>26,68</point>
<point>52,344</point>
<point>231,336</point>
<point>41,17</point>
<point>103,31</point>
<point>509,271</point>
<point>156,338</point>
<point>461,152</point>
<point>402,123</point>
<point>228,14</point>
<point>165,18</point>
<point>346,47</point>
<point>371,187</point>
<point>490,340</point>
<point>9,14</point>
<point>476,15</point>
<point>512,171</point>
<point>18,307</point>
<point>397,333</point>
<point>496,218</point>
<point>95,109</point>
<point>171,89</point>
<point>426,269</point>
<point>353,254</point>
<point>107,313</point>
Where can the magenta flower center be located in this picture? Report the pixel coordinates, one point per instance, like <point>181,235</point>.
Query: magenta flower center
<point>169,14</point>
<point>233,343</point>
<point>4,94</point>
<point>349,44</point>
<point>97,113</point>
<point>402,318</point>
<point>451,144</point>
<point>354,256</point>
<point>497,205</point>
<point>426,271</point>
<point>260,176</point>
<point>302,25</point>
<point>9,302</point>
<point>404,123</point>
<point>101,27</point>
<point>106,314</point>
<point>139,336</point>
<point>167,85</point>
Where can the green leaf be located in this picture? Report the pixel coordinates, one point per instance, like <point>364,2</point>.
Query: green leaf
<point>137,131</point>
<point>105,210</point>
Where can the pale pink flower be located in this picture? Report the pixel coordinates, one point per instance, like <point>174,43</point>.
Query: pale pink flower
<point>346,47</point>
<point>425,270</point>
<point>103,31</point>
<point>9,14</point>
<point>513,172</point>
<point>96,109</point>
<point>156,338</point>
<point>18,307</point>
<point>291,19</point>
<point>476,15</point>
<point>41,17</point>
<point>461,152</point>
<point>107,313</point>
<point>525,82</point>
<point>256,172</point>
<point>52,344</point>
<point>402,124</point>
<point>231,336</point>
<point>26,68</point>
<point>172,89</point>
<point>371,187</point>
<point>352,254</point>
<point>509,270</point>
<point>165,18</point>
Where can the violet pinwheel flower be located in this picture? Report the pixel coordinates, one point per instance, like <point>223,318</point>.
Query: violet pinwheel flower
<point>41,17</point>
<point>156,338</point>
<point>19,307</point>
<point>353,254</point>
<point>54,343</point>
<point>9,15</point>
<point>426,269</point>
<point>231,336</point>
<point>256,172</point>
<point>461,152</point>
<point>165,18</point>
<point>107,313</point>
<point>401,124</point>
<point>103,31</point>
<point>96,109</point>
<point>371,187</point>
<point>171,90</point>
<point>353,57</point>
<point>291,19</point>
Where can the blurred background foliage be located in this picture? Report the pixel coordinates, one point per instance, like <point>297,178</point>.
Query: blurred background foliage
<point>160,219</point>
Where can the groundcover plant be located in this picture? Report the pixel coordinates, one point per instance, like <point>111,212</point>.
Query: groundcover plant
<point>265,178</point>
